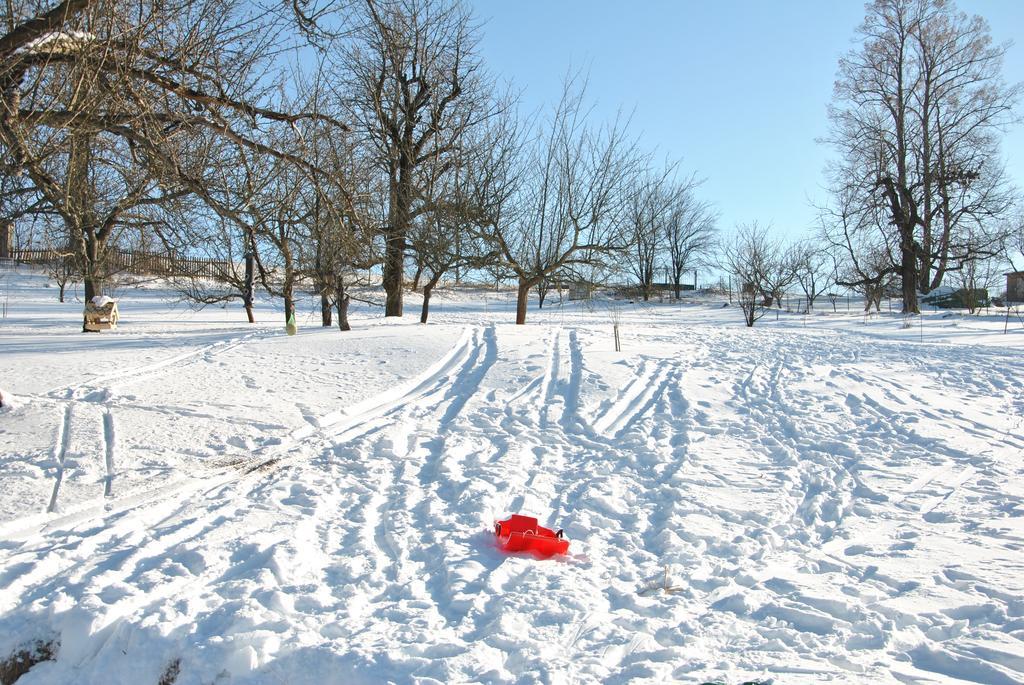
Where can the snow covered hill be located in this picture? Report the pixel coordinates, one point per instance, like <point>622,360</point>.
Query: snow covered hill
<point>190,499</point>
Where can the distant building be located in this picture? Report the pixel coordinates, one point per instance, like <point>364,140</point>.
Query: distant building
<point>1015,286</point>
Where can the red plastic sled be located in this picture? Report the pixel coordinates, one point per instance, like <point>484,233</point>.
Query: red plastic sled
<point>522,534</point>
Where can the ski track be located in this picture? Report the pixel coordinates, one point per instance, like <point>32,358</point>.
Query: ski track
<point>108,449</point>
<point>102,386</point>
<point>60,451</point>
<point>101,390</point>
<point>369,528</point>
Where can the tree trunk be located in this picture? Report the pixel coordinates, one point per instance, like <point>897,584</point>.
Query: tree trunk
<point>522,298</point>
<point>342,305</point>
<point>947,229</point>
<point>325,308</point>
<point>289,305</point>
<point>93,287</point>
<point>394,261</point>
<point>342,302</point>
<point>924,276</point>
<point>394,236</point>
<point>250,275</point>
<point>416,277</point>
<point>92,276</point>
<point>908,275</point>
<point>427,290</point>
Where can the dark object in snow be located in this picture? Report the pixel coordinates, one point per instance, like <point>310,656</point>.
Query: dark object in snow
<point>27,656</point>
<point>171,673</point>
<point>522,534</point>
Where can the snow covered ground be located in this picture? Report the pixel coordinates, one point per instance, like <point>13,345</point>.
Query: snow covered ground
<point>825,498</point>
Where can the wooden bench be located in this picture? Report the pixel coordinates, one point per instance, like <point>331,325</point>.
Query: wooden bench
<point>102,317</point>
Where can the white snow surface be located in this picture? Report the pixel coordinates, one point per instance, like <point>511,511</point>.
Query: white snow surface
<point>7,401</point>
<point>826,498</point>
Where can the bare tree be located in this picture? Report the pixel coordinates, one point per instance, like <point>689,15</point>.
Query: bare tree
<point>61,265</point>
<point>914,114</point>
<point>856,239</point>
<point>690,233</point>
<point>748,257</point>
<point>570,201</point>
<point>413,84</point>
<point>440,253</point>
<point>813,269</point>
<point>779,265</point>
<point>976,274</point>
<point>228,244</point>
<point>346,209</point>
<point>650,201</point>
<point>449,237</point>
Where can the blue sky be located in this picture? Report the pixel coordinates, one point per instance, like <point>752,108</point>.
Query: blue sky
<point>737,89</point>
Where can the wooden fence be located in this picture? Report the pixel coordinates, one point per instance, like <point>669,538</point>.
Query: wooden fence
<point>139,263</point>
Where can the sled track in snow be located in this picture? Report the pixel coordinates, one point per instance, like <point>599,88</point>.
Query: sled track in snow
<point>97,390</point>
<point>60,451</point>
<point>108,450</point>
<point>637,398</point>
<point>97,384</point>
<point>335,427</point>
<point>146,521</point>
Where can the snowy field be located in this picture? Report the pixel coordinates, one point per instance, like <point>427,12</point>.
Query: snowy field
<point>823,498</point>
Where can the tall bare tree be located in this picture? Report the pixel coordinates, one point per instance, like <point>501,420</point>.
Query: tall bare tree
<point>414,85</point>
<point>690,233</point>
<point>914,117</point>
<point>570,204</point>
<point>649,204</point>
<point>813,269</point>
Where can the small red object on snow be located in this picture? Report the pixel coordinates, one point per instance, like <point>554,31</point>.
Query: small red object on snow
<point>522,534</point>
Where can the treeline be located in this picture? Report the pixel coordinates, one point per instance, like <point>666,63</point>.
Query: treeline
<point>306,145</point>
<point>918,196</point>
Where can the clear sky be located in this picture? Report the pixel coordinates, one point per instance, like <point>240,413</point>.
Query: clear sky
<point>737,89</point>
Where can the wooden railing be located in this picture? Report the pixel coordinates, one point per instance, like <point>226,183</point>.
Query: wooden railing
<point>139,263</point>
